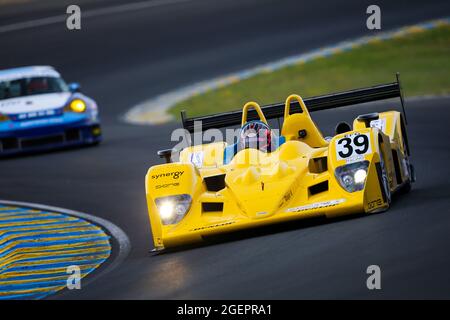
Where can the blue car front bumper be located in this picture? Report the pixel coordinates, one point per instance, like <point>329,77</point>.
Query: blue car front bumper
<point>69,129</point>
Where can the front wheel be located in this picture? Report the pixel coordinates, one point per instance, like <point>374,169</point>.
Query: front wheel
<point>384,186</point>
<point>411,178</point>
<point>384,183</point>
<point>409,168</point>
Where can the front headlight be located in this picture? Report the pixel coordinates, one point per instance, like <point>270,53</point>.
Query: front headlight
<point>352,177</point>
<point>173,208</point>
<point>77,105</point>
<point>3,117</point>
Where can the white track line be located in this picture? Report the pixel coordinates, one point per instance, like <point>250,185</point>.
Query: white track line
<point>116,232</point>
<point>89,14</point>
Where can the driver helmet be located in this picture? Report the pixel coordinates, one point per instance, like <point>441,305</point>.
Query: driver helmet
<point>257,135</point>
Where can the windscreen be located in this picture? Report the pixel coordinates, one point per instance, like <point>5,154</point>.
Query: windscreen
<point>31,86</point>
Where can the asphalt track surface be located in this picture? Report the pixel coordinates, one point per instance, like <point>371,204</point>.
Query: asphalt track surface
<point>122,59</point>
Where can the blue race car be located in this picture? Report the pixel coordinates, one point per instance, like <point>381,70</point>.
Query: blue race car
<point>39,111</point>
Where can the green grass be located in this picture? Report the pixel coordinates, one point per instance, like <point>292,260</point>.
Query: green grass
<point>423,59</point>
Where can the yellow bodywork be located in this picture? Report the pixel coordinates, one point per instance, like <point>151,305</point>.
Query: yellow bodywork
<point>295,181</point>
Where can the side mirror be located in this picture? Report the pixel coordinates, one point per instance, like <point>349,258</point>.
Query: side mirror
<point>74,87</point>
<point>166,154</point>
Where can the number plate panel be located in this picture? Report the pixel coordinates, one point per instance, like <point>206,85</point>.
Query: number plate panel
<point>353,147</point>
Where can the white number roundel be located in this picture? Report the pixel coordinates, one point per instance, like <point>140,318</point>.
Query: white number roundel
<point>353,147</point>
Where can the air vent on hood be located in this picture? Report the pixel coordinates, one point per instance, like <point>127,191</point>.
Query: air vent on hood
<point>212,206</point>
<point>215,183</point>
<point>318,165</point>
<point>318,188</point>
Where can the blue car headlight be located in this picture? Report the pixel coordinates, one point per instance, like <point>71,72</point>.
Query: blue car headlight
<point>352,177</point>
<point>3,117</point>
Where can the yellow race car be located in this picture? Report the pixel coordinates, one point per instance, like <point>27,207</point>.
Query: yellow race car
<point>265,178</point>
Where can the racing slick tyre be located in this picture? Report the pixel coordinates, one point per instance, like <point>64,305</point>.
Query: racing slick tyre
<point>385,182</point>
<point>409,167</point>
<point>408,184</point>
<point>411,177</point>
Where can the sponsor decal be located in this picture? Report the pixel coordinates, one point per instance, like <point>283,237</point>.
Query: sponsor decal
<point>379,123</point>
<point>375,204</point>
<point>196,159</point>
<point>287,196</point>
<point>160,186</point>
<point>316,205</point>
<point>213,226</point>
<point>174,175</point>
<point>8,103</point>
<point>40,122</point>
<point>37,114</point>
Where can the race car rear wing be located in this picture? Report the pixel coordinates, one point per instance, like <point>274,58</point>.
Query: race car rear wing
<point>329,101</point>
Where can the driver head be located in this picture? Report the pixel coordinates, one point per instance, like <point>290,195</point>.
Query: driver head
<point>256,135</point>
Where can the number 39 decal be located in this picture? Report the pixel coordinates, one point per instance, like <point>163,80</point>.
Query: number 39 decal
<point>353,147</point>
